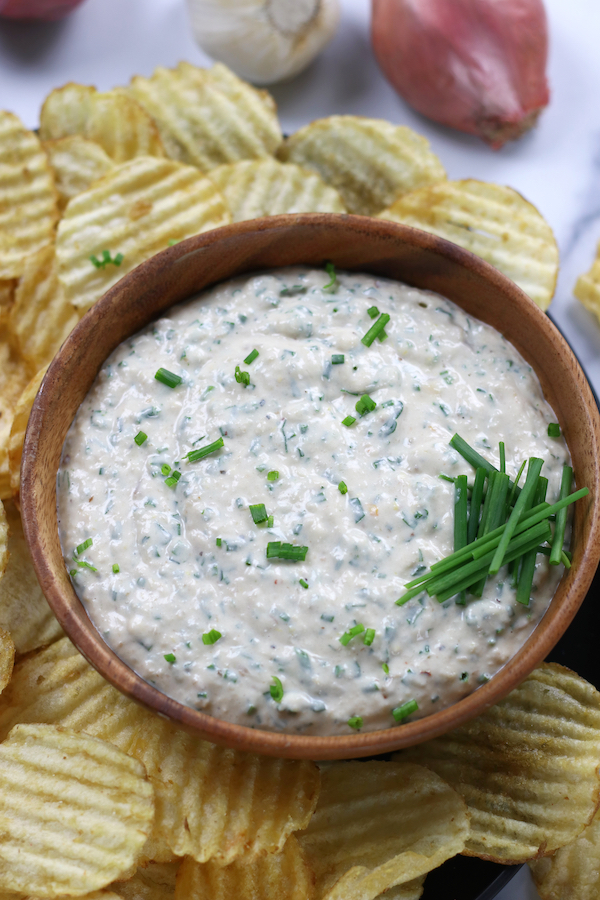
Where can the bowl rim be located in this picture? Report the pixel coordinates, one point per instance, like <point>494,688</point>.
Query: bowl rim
<point>281,744</point>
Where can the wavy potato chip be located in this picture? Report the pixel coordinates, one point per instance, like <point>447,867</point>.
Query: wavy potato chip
<point>74,811</point>
<point>265,187</point>
<point>28,197</point>
<point>76,163</point>
<point>155,882</point>
<point>370,162</point>
<point>587,287</point>
<point>378,825</point>
<point>41,317</point>
<point>24,611</point>
<point>492,221</point>
<point>93,895</point>
<point>208,117</point>
<point>14,376</point>
<point>211,803</point>
<point>3,540</point>
<point>527,768</point>
<point>112,119</point>
<point>573,872</point>
<point>7,298</point>
<point>18,429</point>
<point>275,876</point>
<point>132,213</point>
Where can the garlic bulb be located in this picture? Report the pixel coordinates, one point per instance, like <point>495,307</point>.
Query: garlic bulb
<point>264,40</point>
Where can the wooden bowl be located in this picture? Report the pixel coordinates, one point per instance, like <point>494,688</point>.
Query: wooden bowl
<point>350,242</point>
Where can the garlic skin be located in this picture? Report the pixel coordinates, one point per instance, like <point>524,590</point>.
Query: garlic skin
<point>475,65</point>
<point>264,41</point>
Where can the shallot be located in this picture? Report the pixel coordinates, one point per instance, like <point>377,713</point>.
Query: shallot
<point>475,65</point>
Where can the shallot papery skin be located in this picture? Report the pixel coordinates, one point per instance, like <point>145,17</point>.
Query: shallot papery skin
<point>40,10</point>
<point>475,65</point>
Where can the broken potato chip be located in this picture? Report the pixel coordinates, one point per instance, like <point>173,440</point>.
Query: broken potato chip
<point>208,117</point>
<point>492,221</point>
<point>112,119</point>
<point>76,163</point>
<point>75,812</point>
<point>378,825</point>
<point>275,876</point>
<point>573,872</point>
<point>527,768</point>
<point>137,209</point>
<point>28,197</point>
<point>254,188</point>
<point>14,377</point>
<point>17,432</point>
<point>370,162</point>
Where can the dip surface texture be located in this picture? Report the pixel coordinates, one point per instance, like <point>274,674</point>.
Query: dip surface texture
<point>176,576</point>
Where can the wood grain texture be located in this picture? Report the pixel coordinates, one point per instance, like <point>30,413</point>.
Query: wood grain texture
<point>350,242</point>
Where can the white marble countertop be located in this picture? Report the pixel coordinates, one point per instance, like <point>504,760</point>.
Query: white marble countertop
<point>557,167</point>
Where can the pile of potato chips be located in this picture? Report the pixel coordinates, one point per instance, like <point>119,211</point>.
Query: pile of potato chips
<point>100,798</point>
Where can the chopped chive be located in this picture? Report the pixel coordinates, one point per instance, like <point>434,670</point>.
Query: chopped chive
<point>86,565</point>
<point>382,336</point>
<point>106,259</point>
<point>348,421</point>
<point>272,476</point>
<point>303,583</point>
<point>333,282</point>
<point>372,312</point>
<point>369,636</point>
<point>400,713</point>
<point>385,668</point>
<point>502,457</point>
<point>118,259</point>
<point>165,469</point>
<point>375,330</point>
<point>84,546</point>
<point>218,542</point>
<point>353,632</point>
<point>523,503</point>
<point>561,517</point>
<point>173,478</point>
<point>554,429</point>
<point>116,568</point>
<point>242,377</point>
<point>355,722</point>
<point>195,455</point>
<point>515,487</point>
<point>251,357</point>
<point>365,405</point>
<point>276,690</point>
<point>211,637</point>
<point>280,550</point>
<point>342,487</point>
<point>169,378</point>
<point>442,476</point>
<point>270,521</point>
<point>357,506</point>
<point>140,437</point>
<point>258,512</point>
<point>337,359</point>
<point>73,572</point>
<point>460,519</point>
<point>476,498</point>
<point>471,456</point>
<point>173,241</point>
<point>170,658</point>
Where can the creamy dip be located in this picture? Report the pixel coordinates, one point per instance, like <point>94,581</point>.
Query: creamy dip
<point>176,564</point>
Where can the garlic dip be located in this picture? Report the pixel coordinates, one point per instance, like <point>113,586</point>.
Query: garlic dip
<point>172,567</point>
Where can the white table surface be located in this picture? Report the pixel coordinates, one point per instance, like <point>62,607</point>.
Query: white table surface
<point>557,167</point>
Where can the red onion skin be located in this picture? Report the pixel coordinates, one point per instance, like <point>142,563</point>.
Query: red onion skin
<point>37,10</point>
<point>475,65</point>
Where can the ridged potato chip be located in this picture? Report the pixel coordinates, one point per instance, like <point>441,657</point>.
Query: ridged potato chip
<point>3,540</point>
<point>211,803</point>
<point>276,876</point>
<point>112,119</point>
<point>7,298</point>
<point>93,895</point>
<point>587,287</point>
<point>380,824</point>
<point>76,163</point>
<point>370,162</point>
<point>492,221</point>
<point>208,117</point>
<point>14,376</point>
<point>265,187</point>
<point>74,812</point>
<point>131,213</point>
<point>28,197</point>
<point>41,316</point>
<point>527,768</point>
<point>155,882</point>
<point>24,611</point>
<point>17,431</point>
<point>573,872</point>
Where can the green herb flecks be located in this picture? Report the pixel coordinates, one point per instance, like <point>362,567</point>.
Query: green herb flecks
<point>355,722</point>
<point>276,689</point>
<point>337,359</point>
<point>332,284</point>
<point>169,378</point>
<point>342,487</point>
<point>251,357</point>
<point>211,637</point>
<point>242,377</point>
<point>258,512</point>
<point>195,455</point>
<point>375,330</point>
<point>281,550</point>
<point>106,259</point>
<point>554,430</point>
<point>140,437</point>
<point>170,658</point>
<point>348,421</point>
<point>365,405</point>
<point>400,713</point>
